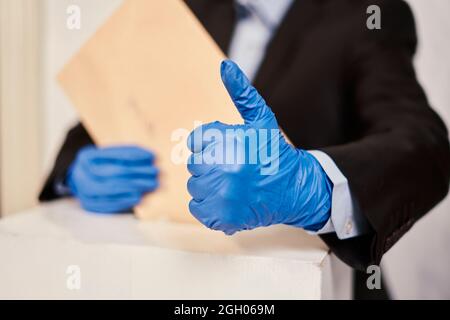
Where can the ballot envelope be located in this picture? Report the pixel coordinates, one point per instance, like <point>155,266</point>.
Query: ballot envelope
<point>147,77</point>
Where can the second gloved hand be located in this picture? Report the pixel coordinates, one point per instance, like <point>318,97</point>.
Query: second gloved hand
<point>112,179</point>
<point>237,185</point>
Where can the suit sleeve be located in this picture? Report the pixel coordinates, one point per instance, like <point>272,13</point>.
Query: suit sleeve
<point>399,166</point>
<point>76,138</point>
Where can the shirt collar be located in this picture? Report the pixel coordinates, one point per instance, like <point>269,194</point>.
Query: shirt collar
<point>270,12</point>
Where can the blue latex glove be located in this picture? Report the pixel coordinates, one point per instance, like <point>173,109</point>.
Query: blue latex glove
<point>112,179</point>
<point>235,196</point>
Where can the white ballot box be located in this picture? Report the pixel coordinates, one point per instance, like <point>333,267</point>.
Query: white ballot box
<point>60,251</point>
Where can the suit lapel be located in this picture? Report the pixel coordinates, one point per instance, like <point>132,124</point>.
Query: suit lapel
<point>218,17</point>
<point>285,43</point>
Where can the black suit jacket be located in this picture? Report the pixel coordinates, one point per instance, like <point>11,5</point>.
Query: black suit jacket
<point>351,92</point>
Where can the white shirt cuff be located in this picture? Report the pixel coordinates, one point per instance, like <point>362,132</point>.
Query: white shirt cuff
<point>346,220</point>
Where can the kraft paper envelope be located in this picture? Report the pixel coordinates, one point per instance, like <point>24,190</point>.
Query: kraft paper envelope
<point>146,76</point>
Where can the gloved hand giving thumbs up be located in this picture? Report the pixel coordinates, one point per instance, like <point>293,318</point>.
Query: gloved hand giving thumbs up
<point>247,176</point>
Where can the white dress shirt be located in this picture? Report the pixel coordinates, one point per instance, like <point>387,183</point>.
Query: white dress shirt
<point>258,20</point>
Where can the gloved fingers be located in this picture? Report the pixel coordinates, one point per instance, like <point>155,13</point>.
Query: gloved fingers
<point>139,184</point>
<point>82,183</point>
<point>117,154</point>
<point>199,210</point>
<point>124,203</point>
<point>121,170</point>
<point>199,188</point>
<point>206,134</point>
<point>203,162</point>
<point>196,165</point>
<point>114,188</point>
<point>246,98</point>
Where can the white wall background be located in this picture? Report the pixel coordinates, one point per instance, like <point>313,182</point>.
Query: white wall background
<point>20,104</point>
<point>419,265</point>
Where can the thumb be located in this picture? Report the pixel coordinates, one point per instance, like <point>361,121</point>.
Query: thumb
<point>246,98</point>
